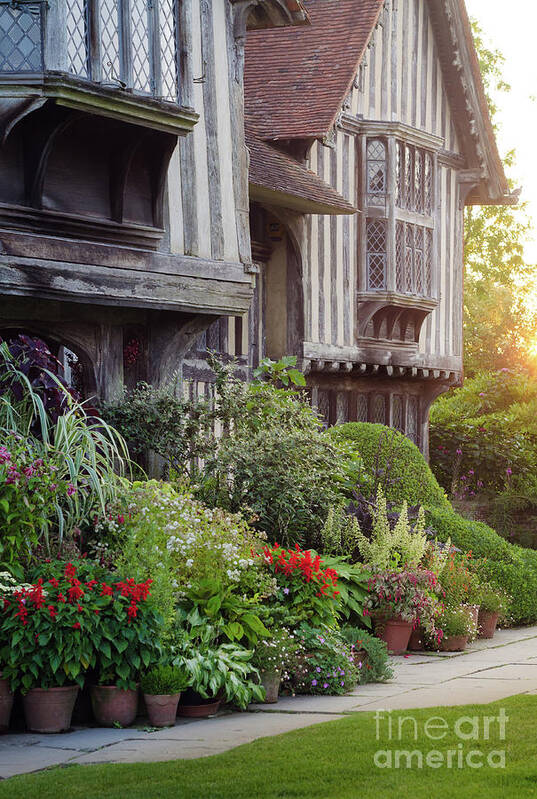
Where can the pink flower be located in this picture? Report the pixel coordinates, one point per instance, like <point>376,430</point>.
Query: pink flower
<point>71,490</point>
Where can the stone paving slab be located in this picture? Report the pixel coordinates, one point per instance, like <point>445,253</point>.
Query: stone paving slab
<point>486,672</point>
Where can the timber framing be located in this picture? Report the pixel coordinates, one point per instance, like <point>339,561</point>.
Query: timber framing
<point>52,268</point>
<point>97,99</point>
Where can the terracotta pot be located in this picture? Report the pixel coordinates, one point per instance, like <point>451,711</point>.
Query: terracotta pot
<point>6,704</point>
<point>193,705</point>
<point>49,709</point>
<point>162,709</point>
<point>396,633</point>
<point>270,680</point>
<point>417,640</point>
<point>487,624</point>
<point>112,705</point>
<point>454,643</point>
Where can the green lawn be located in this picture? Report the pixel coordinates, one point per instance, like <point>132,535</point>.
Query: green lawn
<point>332,760</point>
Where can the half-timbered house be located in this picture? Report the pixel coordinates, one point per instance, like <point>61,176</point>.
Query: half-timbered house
<point>117,245</point>
<point>376,111</point>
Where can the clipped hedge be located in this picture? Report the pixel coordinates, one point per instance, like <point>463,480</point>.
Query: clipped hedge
<point>408,475</point>
<point>503,564</point>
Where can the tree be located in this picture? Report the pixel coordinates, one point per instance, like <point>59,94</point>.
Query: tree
<point>499,327</point>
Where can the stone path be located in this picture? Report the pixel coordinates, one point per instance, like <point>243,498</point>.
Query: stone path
<point>486,672</point>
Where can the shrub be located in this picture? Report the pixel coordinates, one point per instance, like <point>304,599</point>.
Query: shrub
<point>163,680</point>
<point>504,565</point>
<point>396,463</point>
<point>376,667</point>
<point>164,532</point>
<point>456,621</point>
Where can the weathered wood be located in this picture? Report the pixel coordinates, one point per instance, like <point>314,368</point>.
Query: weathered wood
<point>104,286</point>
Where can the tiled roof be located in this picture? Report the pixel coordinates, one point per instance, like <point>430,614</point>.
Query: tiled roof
<point>297,78</point>
<point>278,178</point>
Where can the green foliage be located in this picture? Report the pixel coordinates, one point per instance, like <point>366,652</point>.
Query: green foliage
<point>253,446</point>
<point>352,589</point>
<point>376,667</point>
<point>54,473</point>
<point>235,617</point>
<point>283,371</point>
<point>158,420</point>
<point>213,670</point>
<point>339,535</point>
<point>164,680</point>
<point>456,621</point>
<point>494,600</point>
<point>498,324</point>
<point>484,435</point>
<point>276,652</point>
<point>57,628</point>
<point>392,547</point>
<point>329,667</point>
<point>306,587</point>
<point>163,532</point>
<point>396,463</point>
<point>504,565</point>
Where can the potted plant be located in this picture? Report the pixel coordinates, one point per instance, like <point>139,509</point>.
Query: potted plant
<point>493,604</point>
<point>398,601</point>
<point>272,657</point>
<point>217,672</point>
<point>45,651</point>
<point>127,643</point>
<point>458,626</point>
<point>161,687</point>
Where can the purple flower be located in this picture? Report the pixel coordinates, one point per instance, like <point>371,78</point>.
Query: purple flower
<point>71,490</point>
<point>318,669</point>
<point>482,394</point>
<point>509,471</point>
<point>321,640</point>
<point>343,682</point>
<point>325,685</point>
<point>459,452</point>
<point>314,682</point>
<point>285,590</point>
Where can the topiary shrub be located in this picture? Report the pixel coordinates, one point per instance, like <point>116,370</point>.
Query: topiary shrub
<point>504,565</point>
<point>398,465</point>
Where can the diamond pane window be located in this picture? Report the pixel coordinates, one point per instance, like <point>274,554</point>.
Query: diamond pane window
<point>376,172</point>
<point>400,256</point>
<point>361,407</point>
<point>21,48</point>
<point>141,70</point>
<point>418,181</point>
<point>418,260</point>
<point>77,33</point>
<point>428,263</point>
<point>342,407</point>
<point>408,189</point>
<point>409,259</point>
<point>400,174</point>
<point>379,409</point>
<point>412,419</point>
<point>109,28</point>
<point>397,413</point>
<point>168,49</point>
<point>428,185</point>
<point>376,254</point>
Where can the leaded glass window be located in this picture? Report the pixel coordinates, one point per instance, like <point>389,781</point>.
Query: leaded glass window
<point>412,419</point>
<point>376,172</point>
<point>376,254</point>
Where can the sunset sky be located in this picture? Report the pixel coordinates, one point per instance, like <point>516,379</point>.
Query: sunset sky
<point>510,28</point>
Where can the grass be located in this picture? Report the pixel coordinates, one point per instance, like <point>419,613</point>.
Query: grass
<point>332,760</point>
